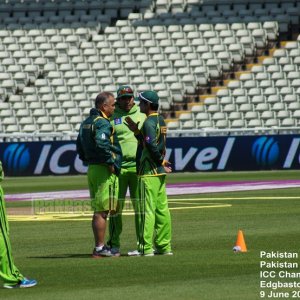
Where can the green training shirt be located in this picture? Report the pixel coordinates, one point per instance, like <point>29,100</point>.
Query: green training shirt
<point>126,138</point>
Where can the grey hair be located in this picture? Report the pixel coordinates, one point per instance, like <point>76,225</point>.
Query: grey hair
<point>102,98</point>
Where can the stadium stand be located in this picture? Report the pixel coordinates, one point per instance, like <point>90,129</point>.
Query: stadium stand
<point>217,65</point>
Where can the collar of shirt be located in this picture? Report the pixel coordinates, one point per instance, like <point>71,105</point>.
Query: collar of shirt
<point>153,114</point>
<point>104,115</point>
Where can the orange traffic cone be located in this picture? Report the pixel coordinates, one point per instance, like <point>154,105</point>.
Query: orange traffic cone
<point>240,245</point>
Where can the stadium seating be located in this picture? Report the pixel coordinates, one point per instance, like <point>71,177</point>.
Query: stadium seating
<point>71,50</point>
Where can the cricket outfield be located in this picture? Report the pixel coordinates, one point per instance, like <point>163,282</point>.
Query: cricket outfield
<point>205,225</point>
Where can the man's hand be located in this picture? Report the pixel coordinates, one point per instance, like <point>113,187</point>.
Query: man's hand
<point>111,168</point>
<point>131,124</point>
<point>168,169</point>
<point>167,166</point>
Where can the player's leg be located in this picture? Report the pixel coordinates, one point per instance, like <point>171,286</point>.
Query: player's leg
<point>147,193</point>
<point>115,221</point>
<point>92,183</point>
<point>9,273</point>
<point>162,239</point>
<point>101,189</point>
<point>134,196</point>
<point>99,218</point>
<point>99,228</point>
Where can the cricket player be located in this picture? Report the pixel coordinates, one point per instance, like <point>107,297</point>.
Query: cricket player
<point>9,273</point>
<point>125,106</point>
<point>98,146</point>
<point>152,169</point>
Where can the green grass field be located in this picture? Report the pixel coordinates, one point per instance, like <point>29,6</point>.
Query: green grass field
<point>57,253</point>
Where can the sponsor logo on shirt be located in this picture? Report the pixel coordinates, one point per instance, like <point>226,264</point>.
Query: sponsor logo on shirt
<point>118,121</point>
<point>163,129</point>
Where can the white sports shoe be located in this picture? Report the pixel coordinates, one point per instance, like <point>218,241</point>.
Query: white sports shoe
<point>25,283</point>
<point>134,253</point>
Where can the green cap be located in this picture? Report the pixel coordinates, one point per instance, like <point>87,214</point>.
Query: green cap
<point>124,91</point>
<point>149,96</point>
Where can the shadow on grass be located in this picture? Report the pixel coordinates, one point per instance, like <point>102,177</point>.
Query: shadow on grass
<point>63,256</point>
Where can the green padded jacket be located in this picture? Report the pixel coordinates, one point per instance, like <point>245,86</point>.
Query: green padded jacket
<point>97,142</point>
<point>152,146</point>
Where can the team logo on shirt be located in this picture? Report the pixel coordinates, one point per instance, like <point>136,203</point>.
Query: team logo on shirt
<point>103,136</point>
<point>118,121</point>
<point>147,139</point>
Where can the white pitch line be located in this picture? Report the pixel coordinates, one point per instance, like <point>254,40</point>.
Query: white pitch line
<point>84,217</point>
<point>201,206</point>
<point>238,198</point>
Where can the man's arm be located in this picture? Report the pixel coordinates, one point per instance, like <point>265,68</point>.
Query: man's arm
<point>1,172</point>
<point>134,127</point>
<point>79,148</point>
<point>103,142</point>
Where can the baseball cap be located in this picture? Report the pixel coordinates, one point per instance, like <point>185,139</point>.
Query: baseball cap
<point>149,96</point>
<point>124,91</point>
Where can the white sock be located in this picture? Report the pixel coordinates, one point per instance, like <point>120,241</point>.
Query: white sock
<point>99,248</point>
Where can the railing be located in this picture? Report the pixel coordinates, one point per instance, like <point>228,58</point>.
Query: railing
<point>62,136</point>
<point>233,131</point>
<point>37,136</point>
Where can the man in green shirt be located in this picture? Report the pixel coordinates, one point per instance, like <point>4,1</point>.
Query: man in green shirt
<point>97,145</point>
<point>9,273</point>
<point>125,107</point>
<point>155,230</point>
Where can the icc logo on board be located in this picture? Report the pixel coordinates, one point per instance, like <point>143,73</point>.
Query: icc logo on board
<point>16,158</point>
<point>265,150</point>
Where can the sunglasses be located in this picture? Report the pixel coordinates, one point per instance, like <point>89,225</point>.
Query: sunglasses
<point>125,91</point>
